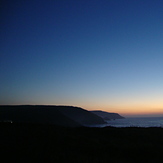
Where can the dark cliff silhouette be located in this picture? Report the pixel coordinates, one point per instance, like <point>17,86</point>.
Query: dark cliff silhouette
<point>107,115</point>
<point>59,115</point>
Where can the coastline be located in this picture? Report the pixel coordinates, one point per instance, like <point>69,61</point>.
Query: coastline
<point>137,122</point>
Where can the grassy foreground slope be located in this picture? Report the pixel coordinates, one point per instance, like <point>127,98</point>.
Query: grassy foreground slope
<point>48,143</point>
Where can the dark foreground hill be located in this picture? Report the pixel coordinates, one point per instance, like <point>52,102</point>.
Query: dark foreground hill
<point>58,115</point>
<point>107,115</point>
<point>28,143</point>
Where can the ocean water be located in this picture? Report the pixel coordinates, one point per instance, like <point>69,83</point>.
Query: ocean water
<point>137,122</point>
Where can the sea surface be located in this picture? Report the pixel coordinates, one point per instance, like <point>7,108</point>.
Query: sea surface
<point>137,122</point>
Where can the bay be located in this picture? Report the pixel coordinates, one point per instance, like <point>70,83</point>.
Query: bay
<point>137,122</point>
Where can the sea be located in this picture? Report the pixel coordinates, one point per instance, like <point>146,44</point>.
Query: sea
<point>136,122</point>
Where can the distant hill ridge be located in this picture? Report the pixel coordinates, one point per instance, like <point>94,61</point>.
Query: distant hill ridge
<point>107,115</point>
<point>69,116</point>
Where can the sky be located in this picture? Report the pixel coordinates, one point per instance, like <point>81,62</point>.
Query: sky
<point>95,54</point>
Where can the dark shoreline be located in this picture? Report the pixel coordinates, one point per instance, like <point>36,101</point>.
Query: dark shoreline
<point>22,142</point>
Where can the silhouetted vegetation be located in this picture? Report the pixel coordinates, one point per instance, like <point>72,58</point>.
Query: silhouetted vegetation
<point>21,142</point>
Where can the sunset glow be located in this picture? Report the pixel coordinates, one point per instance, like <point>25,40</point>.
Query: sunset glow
<point>98,55</point>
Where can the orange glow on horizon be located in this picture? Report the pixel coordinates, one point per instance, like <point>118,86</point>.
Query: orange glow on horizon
<point>127,109</point>
<point>131,110</point>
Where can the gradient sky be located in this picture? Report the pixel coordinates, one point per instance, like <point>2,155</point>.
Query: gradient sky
<point>96,54</point>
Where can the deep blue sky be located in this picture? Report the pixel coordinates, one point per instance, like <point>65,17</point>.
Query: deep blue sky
<point>97,54</point>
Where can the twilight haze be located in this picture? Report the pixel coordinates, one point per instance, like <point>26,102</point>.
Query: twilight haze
<point>96,54</point>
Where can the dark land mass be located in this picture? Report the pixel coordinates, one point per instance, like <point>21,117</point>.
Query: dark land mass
<point>67,116</point>
<point>32,143</point>
<point>107,115</point>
